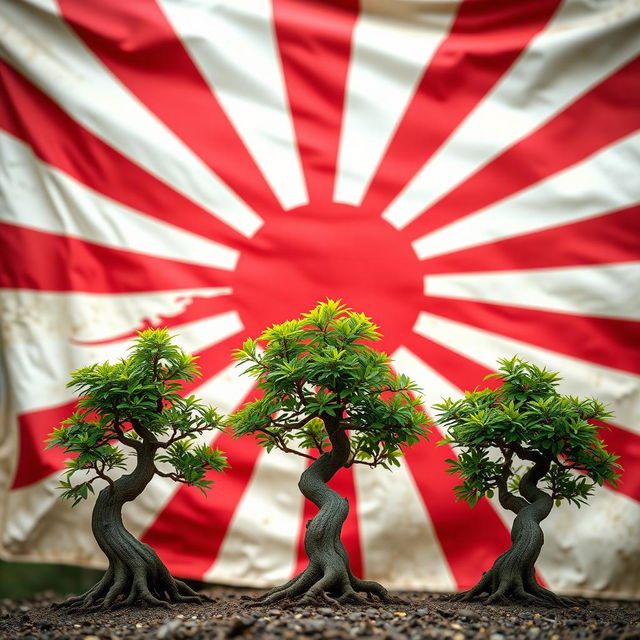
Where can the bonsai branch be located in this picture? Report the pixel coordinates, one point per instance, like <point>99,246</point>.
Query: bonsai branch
<point>280,442</point>
<point>180,435</point>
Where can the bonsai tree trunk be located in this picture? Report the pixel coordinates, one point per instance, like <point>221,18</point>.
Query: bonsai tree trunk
<point>327,575</point>
<point>135,571</point>
<point>512,576</point>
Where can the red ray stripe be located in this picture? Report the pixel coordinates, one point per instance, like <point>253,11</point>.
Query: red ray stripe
<point>213,359</point>
<point>58,140</point>
<point>468,556</point>
<point>610,111</point>
<point>34,461</point>
<point>137,43</point>
<point>609,238</point>
<point>47,262</point>
<point>344,484</point>
<point>315,46</point>
<point>485,40</point>
<point>625,444</point>
<point>607,341</point>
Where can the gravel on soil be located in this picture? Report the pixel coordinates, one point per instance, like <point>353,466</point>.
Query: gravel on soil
<point>423,615</point>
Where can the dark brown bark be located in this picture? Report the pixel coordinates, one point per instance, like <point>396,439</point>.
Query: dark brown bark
<point>512,576</point>
<point>327,576</point>
<point>135,571</point>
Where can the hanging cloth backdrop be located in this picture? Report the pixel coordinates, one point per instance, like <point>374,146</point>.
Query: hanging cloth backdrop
<point>465,172</point>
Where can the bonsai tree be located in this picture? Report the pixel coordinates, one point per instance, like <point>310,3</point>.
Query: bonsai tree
<point>329,397</point>
<point>536,448</point>
<point>134,406</point>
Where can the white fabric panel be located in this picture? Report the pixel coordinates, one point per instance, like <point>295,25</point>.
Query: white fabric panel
<point>618,389</point>
<point>76,316</point>
<point>36,195</point>
<point>8,442</point>
<point>392,47</point>
<point>433,386</point>
<point>399,544</point>
<point>72,76</point>
<point>43,528</point>
<point>595,549</point>
<point>569,57</point>
<point>601,183</point>
<point>605,290</point>
<point>261,542</point>
<point>233,45</point>
<point>40,350</point>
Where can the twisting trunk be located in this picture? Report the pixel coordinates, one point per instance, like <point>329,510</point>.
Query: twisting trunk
<point>512,576</point>
<point>135,571</point>
<point>327,575</point>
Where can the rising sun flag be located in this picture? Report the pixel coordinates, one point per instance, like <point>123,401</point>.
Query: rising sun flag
<point>465,173</point>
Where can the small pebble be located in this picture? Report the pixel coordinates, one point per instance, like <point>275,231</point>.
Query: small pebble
<point>167,629</point>
<point>315,625</point>
<point>468,614</point>
<point>239,625</point>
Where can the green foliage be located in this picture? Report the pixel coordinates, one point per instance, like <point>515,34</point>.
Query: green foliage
<point>136,404</point>
<point>526,418</point>
<point>318,373</point>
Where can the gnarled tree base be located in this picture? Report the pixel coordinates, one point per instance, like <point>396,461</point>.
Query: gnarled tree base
<point>148,582</point>
<point>328,577</point>
<point>509,581</point>
<point>317,585</point>
<point>512,576</point>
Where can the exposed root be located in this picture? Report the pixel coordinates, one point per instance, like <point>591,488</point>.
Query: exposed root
<point>123,587</point>
<point>506,585</point>
<point>512,576</point>
<point>312,587</point>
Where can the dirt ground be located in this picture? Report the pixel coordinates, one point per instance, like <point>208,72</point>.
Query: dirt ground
<point>423,616</point>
